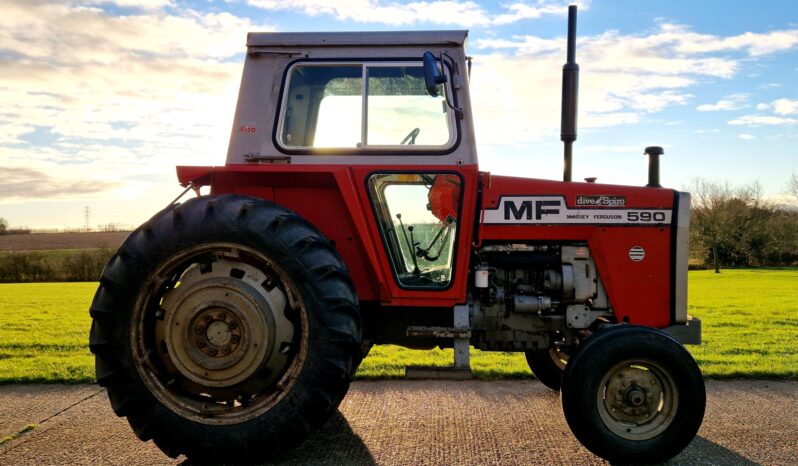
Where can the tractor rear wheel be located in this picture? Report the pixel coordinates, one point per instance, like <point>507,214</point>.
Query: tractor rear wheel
<point>226,328</point>
<point>633,395</point>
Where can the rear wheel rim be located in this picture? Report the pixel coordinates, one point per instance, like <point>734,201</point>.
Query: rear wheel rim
<point>220,333</point>
<point>637,399</point>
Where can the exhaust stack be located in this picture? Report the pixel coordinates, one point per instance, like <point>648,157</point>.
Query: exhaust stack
<point>653,153</point>
<point>570,91</point>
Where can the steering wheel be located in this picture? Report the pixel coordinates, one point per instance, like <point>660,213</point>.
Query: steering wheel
<point>411,137</point>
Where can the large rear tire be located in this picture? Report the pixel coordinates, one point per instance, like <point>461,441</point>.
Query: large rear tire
<point>633,395</point>
<point>226,329</point>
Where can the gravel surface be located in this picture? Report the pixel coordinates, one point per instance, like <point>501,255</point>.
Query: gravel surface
<point>413,423</point>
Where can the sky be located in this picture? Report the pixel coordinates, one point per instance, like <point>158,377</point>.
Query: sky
<point>100,99</point>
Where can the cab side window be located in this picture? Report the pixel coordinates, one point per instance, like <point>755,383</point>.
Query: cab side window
<point>359,106</point>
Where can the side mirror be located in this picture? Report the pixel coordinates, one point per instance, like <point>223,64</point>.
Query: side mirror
<point>432,74</point>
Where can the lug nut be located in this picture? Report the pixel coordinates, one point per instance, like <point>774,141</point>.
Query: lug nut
<point>201,343</point>
<point>198,329</point>
<point>235,338</point>
<point>232,325</point>
<point>212,352</point>
<point>226,350</point>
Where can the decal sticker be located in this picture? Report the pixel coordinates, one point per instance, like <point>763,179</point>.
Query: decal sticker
<point>248,129</point>
<point>637,254</point>
<point>552,210</point>
<point>601,200</point>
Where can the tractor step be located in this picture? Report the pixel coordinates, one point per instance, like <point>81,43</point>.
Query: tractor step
<point>461,334</point>
<point>436,372</point>
<point>438,332</point>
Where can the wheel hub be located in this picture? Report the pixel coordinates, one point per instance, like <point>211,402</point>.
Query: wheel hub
<point>633,395</point>
<point>223,327</point>
<point>637,400</point>
<point>218,333</point>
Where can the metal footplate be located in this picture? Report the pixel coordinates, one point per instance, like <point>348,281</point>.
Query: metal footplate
<point>461,334</point>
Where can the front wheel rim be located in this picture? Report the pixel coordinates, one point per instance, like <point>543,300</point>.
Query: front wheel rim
<point>558,357</point>
<point>637,399</point>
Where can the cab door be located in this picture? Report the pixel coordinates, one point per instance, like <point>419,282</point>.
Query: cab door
<point>422,221</point>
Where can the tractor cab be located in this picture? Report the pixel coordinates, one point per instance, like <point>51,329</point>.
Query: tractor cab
<point>353,99</point>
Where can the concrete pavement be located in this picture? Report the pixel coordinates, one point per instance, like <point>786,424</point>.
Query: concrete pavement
<point>412,423</point>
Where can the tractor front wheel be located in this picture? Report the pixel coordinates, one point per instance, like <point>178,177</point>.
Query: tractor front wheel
<point>633,395</point>
<point>548,364</point>
<point>225,328</point>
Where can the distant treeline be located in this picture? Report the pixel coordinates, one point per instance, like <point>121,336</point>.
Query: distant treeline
<point>732,226</point>
<point>15,231</point>
<point>82,265</point>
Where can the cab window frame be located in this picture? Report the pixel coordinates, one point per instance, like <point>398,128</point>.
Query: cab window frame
<point>393,259</point>
<point>452,120</point>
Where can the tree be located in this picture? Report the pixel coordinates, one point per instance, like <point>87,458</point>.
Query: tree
<point>726,221</point>
<point>782,245</point>
<point>733,226</point>
<point>792,187</point>
<point>3,226</point>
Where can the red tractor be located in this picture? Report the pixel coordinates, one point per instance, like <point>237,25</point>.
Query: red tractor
<point>352,212</point>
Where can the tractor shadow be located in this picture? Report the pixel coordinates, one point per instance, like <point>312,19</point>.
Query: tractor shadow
<point>335,443</point>
<point>705,452</point>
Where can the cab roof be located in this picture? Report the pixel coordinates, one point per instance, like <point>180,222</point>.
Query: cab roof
<point>371,38</point>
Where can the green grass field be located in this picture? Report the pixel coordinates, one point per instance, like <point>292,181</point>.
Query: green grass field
<point>44,330</point>
<point>750,320</point>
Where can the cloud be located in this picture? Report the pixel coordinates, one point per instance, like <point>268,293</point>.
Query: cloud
<point>370,11</point>
<point>128,95</point>
<point>761,120</point>
<point>139,4</point>
<point>754,44</point>
<point>461,13</point>
<point>624,78</point>
<point>10,132</point>
<point>521,11</point>
<point>747,136</point>
<point>517,98</point>
<point>784,106</point>
<point>730,102</point>
<point>21,183</point>
<point>781,108</point>
<point>672,50</point>
<point>70,35</point>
